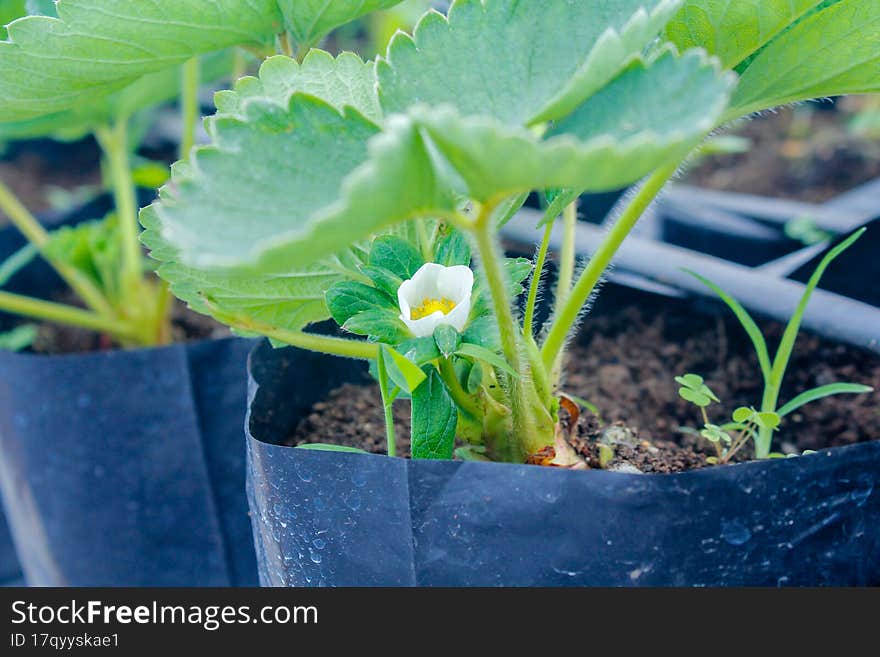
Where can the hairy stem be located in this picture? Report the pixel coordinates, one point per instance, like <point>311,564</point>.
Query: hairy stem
<point>37,235</point>
<point>64,314</point>
<point>189,105</point>
<point>535,282</point>
<point>567,315</point>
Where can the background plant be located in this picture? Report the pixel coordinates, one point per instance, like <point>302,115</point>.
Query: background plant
<point>78,67</point>
<point>315,160</point>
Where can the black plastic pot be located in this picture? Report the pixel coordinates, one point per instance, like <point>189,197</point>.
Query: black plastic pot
<point>339,519</point>
<point>125,468</point>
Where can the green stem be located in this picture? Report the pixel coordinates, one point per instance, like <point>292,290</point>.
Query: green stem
<point>535,283</point>
<point>114,143</point>
<point>424,240</point>
<point>566,253</point>
<point>387,403</point>
<point>284,44</point>
<point>239,64</point>
<point>64,314</point>
<point>567,315</point>
<point>324,344</point>
<point>523,423</point>
<point>464,401</point>
<point>37,235</point>
<point>189,105</point>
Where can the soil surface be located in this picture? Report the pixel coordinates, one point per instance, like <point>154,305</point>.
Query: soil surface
<point>624,363</point>
<point>804,152</point>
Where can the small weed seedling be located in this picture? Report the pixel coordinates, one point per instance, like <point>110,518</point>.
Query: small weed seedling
<point>760,424</point>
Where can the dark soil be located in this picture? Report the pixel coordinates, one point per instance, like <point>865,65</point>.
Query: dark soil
<point>804,153</point>
<point>624,364</point>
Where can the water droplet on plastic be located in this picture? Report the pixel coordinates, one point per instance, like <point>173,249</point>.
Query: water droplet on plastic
<point>734,532</point>
<point>319,543</point>
<point>315,556</point>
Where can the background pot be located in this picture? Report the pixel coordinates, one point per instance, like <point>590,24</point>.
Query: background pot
<point>328,518</point>
<point>124,467</point>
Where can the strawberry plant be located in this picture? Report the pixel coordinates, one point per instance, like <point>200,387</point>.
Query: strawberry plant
<point>76,67</point>
<point>362,190</point>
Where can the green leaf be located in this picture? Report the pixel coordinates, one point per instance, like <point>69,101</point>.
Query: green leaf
<point>650,114</point>
<point>833,52</point>
<point>233,200</point>
<point>346,299</point>
<point>405,374</point>
<point>766,420</point>
<point>447,339</point>
<point>743,414</point>
<point>474,378</point>
<point>733,29</point>
<point>18,260</point>
<point>520,62</point>
<point>310,20</point>
<point>344,81</point>
<point>477,352</point>
<point>693,383</point>
<point>745,320</point>
<point>421,351</point>
<point>453,249</point>
<point>19,338</point>
<point>288,301</point>
<point>326,447</point>
<point>92,248</point>
<point>820,393</point>
<point>789,336</point>
<point>383,325</point>
<point>95,48</point>
<point>383,279</point>
<point>434,419</point>
<point>694,397</point>
<point>396,255</point>
<point>9,11</point>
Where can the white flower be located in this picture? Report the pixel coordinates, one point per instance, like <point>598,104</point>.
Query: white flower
<point>436,295</point>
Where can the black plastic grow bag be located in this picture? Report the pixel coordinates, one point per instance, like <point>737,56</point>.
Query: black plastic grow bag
<point>329,518</point>
<point>124,468</point>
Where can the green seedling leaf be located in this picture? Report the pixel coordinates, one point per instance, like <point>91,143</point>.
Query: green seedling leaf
<point>743,414</point>
<point>733,29</point>
<point>18,260</point>
<point>606,455</point>
<point>326,447</point>
<point>745,320</point>
<point>19,338</point>
<point>405,374</point>
<point>447,339</point>
<point>715,434</point>
<point>767,420</point>
<point>481,353</point>
<point>786,344</point>
<point>434,419</point>
<point>822,392</point>
<point>694,382</point>
<point>310,20</point>
<point>521,62</point>
<point>349,298</point>
<point>830,53</point>
<point>694,397</point>
<point>453,249</point>
<point>396,255</point>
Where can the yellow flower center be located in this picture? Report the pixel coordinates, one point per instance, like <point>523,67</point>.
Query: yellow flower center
<point>430,306</point>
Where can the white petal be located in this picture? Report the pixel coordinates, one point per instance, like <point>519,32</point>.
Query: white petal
<point>458,317</point>
<point>455,283</point>
<point>424,327</point>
